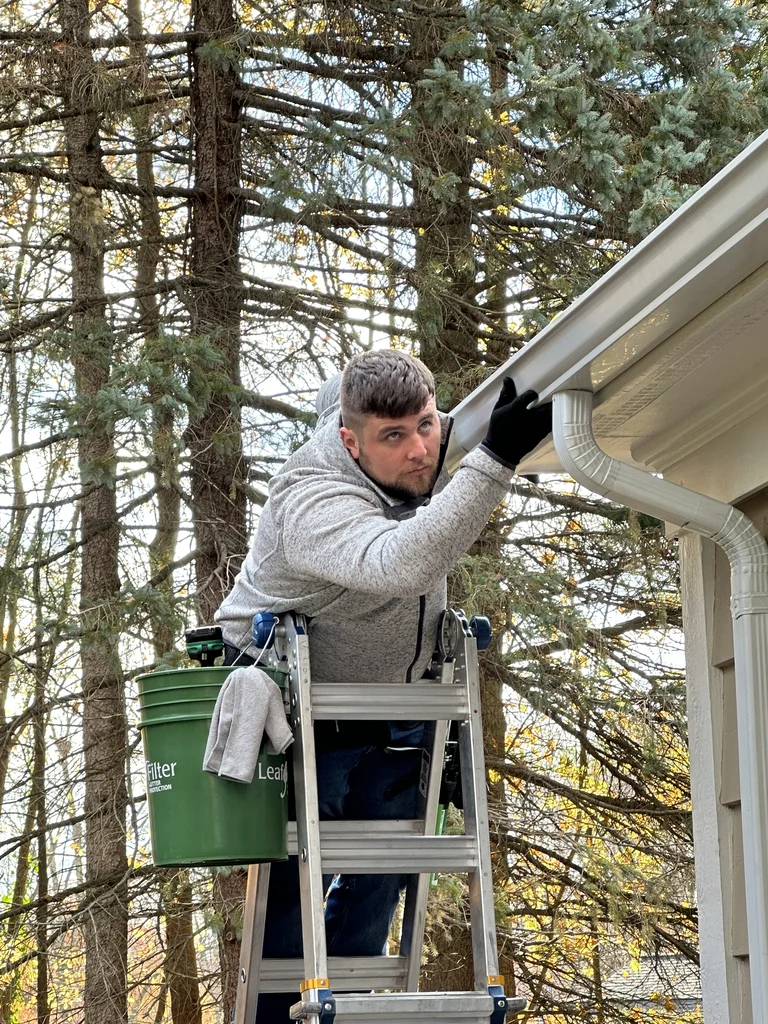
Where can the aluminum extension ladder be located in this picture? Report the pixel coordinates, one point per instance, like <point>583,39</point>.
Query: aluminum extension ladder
<point>380,847</point>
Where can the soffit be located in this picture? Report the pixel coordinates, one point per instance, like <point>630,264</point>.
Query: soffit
<point>701,381</point>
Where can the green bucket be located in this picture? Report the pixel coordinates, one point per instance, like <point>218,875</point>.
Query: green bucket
<point>196,818</point>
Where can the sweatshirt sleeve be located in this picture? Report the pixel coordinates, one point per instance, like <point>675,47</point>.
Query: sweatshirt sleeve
<point>341,536</point>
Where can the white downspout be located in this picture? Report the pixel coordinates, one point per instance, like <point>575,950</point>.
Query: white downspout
<point>747,553</point>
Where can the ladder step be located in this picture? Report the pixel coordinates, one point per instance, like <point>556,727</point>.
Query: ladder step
<point>373,829</point>
<point>429,701</point>
<point>388,848</point>
<point>358,972</point>
<point>419,1008</point>
<point>397,854</point>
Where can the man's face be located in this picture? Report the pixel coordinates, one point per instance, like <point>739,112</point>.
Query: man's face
<point>401,454</point>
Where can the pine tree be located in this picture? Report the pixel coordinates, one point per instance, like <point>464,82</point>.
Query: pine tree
<point>208,221</point>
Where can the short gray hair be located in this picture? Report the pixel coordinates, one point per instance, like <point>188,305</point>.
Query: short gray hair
<point>386,383</point>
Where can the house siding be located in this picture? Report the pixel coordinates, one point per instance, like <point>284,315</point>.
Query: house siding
<point>713,742</point>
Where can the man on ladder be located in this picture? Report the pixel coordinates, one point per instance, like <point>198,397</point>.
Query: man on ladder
<point>361,526</point>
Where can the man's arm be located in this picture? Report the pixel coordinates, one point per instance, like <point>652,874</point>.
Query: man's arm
<point>344,538</point>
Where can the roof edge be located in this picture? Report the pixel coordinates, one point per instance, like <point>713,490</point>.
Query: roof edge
<point>562,351</point>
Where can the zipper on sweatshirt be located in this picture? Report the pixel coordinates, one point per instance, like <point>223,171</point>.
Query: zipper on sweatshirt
<point>419,634</point>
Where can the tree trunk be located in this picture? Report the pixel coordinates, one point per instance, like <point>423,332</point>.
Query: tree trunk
<point>214,432</point>
<point>10,987</point>
<point>39,804</point>
<point>445,271</point>
<point>165,453</point>
<point>228,899</point>
<point>448,325</point>
<point>104,725</point>
<point>180,958</point>
<point>18,517</point>
<point>498,252</point>
<point>181,977</point>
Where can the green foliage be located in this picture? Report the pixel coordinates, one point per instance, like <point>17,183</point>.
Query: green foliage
<point>223,54</point>
<point>444,177</point>
<point>449,100</point>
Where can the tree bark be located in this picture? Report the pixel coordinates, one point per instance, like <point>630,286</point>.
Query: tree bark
<point>181,976</point>
<point>214,432</point>
<point>445,269</point>
<point>39,804</point>
<point>180,958</point>
<point>19,514</point>
<point>104,724</point>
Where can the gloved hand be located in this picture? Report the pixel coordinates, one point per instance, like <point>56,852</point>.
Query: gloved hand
<point>514,429</point>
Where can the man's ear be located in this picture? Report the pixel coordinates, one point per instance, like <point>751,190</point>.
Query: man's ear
<point>350,442</point>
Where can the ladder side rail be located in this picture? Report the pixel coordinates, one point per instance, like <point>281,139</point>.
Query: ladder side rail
<point>413,935</point>
<point>412,892</point>
<point>312,891</point>
<point>252,947</point>
<point>417,892</point>
<point>476,823</point>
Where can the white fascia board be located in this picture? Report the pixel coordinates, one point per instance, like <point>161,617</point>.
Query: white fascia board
<point>701,251</point>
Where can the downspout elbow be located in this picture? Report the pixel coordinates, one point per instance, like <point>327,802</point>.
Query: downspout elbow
<point>588,464</point>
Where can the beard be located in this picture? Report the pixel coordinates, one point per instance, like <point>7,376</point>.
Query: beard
<point>405,486</point>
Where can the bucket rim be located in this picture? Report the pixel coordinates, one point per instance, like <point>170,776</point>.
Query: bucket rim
<point>209,668</point>
<point>178,671</point>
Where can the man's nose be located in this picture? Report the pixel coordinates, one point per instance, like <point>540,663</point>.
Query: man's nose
<point>417,449</point>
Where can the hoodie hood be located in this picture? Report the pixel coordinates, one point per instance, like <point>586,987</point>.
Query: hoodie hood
<point>328,401</point>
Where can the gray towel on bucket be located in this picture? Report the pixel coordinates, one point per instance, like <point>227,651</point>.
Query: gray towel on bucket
<point>249,703</point>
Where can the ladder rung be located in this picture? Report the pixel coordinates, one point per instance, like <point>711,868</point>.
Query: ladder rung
<point>388,848</point>
<point>345,972</point>
<point>419,1008</point>
<point>373,829</point>
<point>396,854</point>
<point>432,701</point>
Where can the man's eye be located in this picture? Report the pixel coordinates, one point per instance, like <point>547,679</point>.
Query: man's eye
<point>426,425</point>
<point>393,436</point>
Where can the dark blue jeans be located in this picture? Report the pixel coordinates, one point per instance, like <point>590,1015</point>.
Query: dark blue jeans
<point>357,783</point>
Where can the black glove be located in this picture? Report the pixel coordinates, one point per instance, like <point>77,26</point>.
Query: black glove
<point>514,429</point>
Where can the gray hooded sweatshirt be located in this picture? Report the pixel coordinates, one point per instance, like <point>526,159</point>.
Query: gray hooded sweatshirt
<point>367,569</point>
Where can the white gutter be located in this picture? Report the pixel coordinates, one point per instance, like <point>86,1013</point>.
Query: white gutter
<point>693,258</point>
<point>747,553</point>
